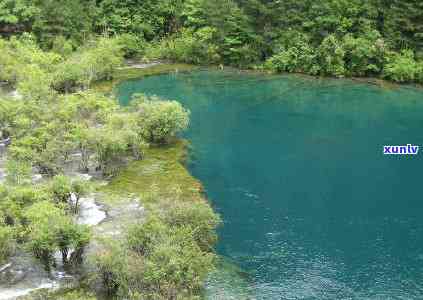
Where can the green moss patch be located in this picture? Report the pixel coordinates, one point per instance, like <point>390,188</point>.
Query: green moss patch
<point>161,172</point>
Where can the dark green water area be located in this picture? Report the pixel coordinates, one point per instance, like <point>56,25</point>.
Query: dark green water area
<point>312,208</point>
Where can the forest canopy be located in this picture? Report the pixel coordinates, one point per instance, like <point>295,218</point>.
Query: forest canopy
<point>329,37</point>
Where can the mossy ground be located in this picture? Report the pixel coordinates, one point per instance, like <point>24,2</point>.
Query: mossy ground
<point>123,74</point>
<point>161,172</point>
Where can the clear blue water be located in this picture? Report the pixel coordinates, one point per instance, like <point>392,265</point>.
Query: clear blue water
<point>311,207</point>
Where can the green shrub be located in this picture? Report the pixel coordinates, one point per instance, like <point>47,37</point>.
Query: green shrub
<point>331,57</point>
<point>18,172</point>
<point>96,61</point>
<point>298,57</point>
<point>60,188</point>
<point>364,55</point>
<point>402,67</point>
<point>50,229</point>
<point>6,243</point>
<point>132,45</point>
<point>190,46</point>
<point>198,216</point>
<point>177,267</point>
<point>112,267</point>
<point>160,120</point>
<point>15,199</point>
<point>22,55</point>
<point>158,262</point>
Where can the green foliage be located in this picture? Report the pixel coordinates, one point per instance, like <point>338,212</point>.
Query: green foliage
<point>295,55</point>
<point>21,56</point>
<point>402,67</point>
<point>16,14</point>
<point>198,216</point>
<point>190,47</point>
<point>60,188</point>
<point>145,18</point>
<point>96,61</point>
<point>160,120</point>
<point>156,262</point>
<point>69,18</point>
<point>18,172</point>
<point>331,57</point>
<point>132,45</point>
<point>62,46</point>
<point>50,229</point>
<point>14,201</point>
<point>6,242</point>
<point>364,54</point>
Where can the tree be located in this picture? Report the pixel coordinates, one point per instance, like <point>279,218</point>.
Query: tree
<point>16,15</point>
<point>72,19</point>
<point>403,67</point>
<point>50,229</point>
<point>18,172</point>
<point>160,120</point>
<point>96,61</point>
<point>6,242</point>
<point>331,57</point>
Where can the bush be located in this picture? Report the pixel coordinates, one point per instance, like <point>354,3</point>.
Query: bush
<point>402,67</point>
<point>158,262</point>
<point>176,267</point>
<point>160,120</point>
<point>15,199</point>
<point>6,243</point>
<point>190,46</point>
<point>196,215</point>
<point>365,54</point>
<point>132,45</point>
<point>50,229</point>
<point>299,57</point>
<point>112,267</point>
<point>88,64</point>
<point>20,55</point>
<point>60,188</point>
<point>331,57</point>
<point>18,172</point>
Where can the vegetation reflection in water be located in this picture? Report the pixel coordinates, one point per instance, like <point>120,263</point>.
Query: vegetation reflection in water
<point>311,207</point>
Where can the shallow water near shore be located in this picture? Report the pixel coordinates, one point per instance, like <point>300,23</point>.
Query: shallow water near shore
<point>312,208</point>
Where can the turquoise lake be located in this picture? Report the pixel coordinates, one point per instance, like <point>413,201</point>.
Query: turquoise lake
<point>312,209</point>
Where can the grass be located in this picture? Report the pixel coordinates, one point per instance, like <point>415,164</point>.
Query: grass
<point>123,74</point>
<point>161,173</point>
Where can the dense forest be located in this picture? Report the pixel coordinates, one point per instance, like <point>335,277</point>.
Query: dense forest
<point>55,52</point>
<point>327,37</point>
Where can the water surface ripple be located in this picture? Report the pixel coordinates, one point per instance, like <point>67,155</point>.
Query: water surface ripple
<point>311,207</point>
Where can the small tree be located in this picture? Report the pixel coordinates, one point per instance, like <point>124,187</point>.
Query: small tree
<point>50,229</point>
<point>331,56</point>
<point>402,67</point>
<point>6,242</point>
<point>160,120</point>
<point>61,188</point>
<point>79,188</point>
<point>18,172</point>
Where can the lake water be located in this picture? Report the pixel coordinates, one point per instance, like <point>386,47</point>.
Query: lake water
<point>312,208</point>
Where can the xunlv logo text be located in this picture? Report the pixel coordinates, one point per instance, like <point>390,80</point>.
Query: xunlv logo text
<point>401,150</point>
